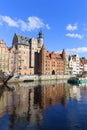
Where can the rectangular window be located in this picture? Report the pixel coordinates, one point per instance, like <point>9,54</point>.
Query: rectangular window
<point>25,67</point>
<point>19,46</point>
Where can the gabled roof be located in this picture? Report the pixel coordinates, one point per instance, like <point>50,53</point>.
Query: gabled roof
<point>73,57</point>
<point>18,39</point>
<point>53,55</point>
<point>83,61</point>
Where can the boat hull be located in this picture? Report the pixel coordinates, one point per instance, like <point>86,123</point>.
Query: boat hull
<point>82,81</point>
<point>77,81</point>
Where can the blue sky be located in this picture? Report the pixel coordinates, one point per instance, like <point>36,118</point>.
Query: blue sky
<point>63,22</point>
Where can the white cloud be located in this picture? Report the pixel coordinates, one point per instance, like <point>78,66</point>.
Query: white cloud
<point>35,23</point>
<point>76,50</point>
<point>47,26</point>
<point>22,25</point>
<point>32,23</point>
<point>8,20</point>
<point>75,35</point>
<point>70,27</point>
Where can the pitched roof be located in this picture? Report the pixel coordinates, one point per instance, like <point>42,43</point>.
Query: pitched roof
<point>53,55</point>
<point>83,61</point>
<point>18,39</point>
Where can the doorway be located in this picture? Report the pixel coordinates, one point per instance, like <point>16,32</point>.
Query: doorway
<point>53,72</point>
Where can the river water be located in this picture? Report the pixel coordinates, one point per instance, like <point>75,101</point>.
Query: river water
<point>43,106</point>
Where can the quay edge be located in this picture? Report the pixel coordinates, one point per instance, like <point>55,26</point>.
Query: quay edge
<point>39,78</point>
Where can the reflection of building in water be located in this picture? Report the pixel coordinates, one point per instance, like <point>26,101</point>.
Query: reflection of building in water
<point>75,92</point>
<point>33,113</point>
<point>28,102</point>
<point>52,95</point>
<point>20,102</point>
<point>3,102</point>
<point>16,98</point>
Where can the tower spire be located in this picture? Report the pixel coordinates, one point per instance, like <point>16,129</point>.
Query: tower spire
<point>40,39</point>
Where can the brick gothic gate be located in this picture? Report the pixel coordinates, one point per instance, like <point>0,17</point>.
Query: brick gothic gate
<point>53,72</point>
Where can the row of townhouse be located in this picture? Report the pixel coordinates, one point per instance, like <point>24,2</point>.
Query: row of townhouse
<point>77,65</point>
<point>29,56</point>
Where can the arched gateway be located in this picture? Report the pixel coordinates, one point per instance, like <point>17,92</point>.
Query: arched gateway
<point>53,72</point>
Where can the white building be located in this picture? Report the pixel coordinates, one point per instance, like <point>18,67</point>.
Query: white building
<point>85,67</point>
<point>74,64</point>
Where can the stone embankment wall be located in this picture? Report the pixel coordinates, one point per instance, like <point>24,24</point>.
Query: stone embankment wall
<point>34,84</point>
<point>39,78</point>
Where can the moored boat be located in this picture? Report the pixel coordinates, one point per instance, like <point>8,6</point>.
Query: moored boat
<point>82,80</point>
<point>73,80</point>
<point>76,80</point>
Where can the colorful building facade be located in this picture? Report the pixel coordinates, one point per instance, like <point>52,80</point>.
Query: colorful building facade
<point>28,56</point>
<point>51,62</point>
<point>4,57</point>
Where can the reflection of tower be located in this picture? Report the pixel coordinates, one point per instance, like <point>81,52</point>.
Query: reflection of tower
<point>13,117</point>
<point>34,115</point>
<point>28,113</point>
<point>37,96</point>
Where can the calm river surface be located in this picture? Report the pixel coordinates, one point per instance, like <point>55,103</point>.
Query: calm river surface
<point>43,106</point>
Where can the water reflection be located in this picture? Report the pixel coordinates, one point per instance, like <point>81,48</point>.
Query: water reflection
<point>24,105</point>
<point>75,92</point>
